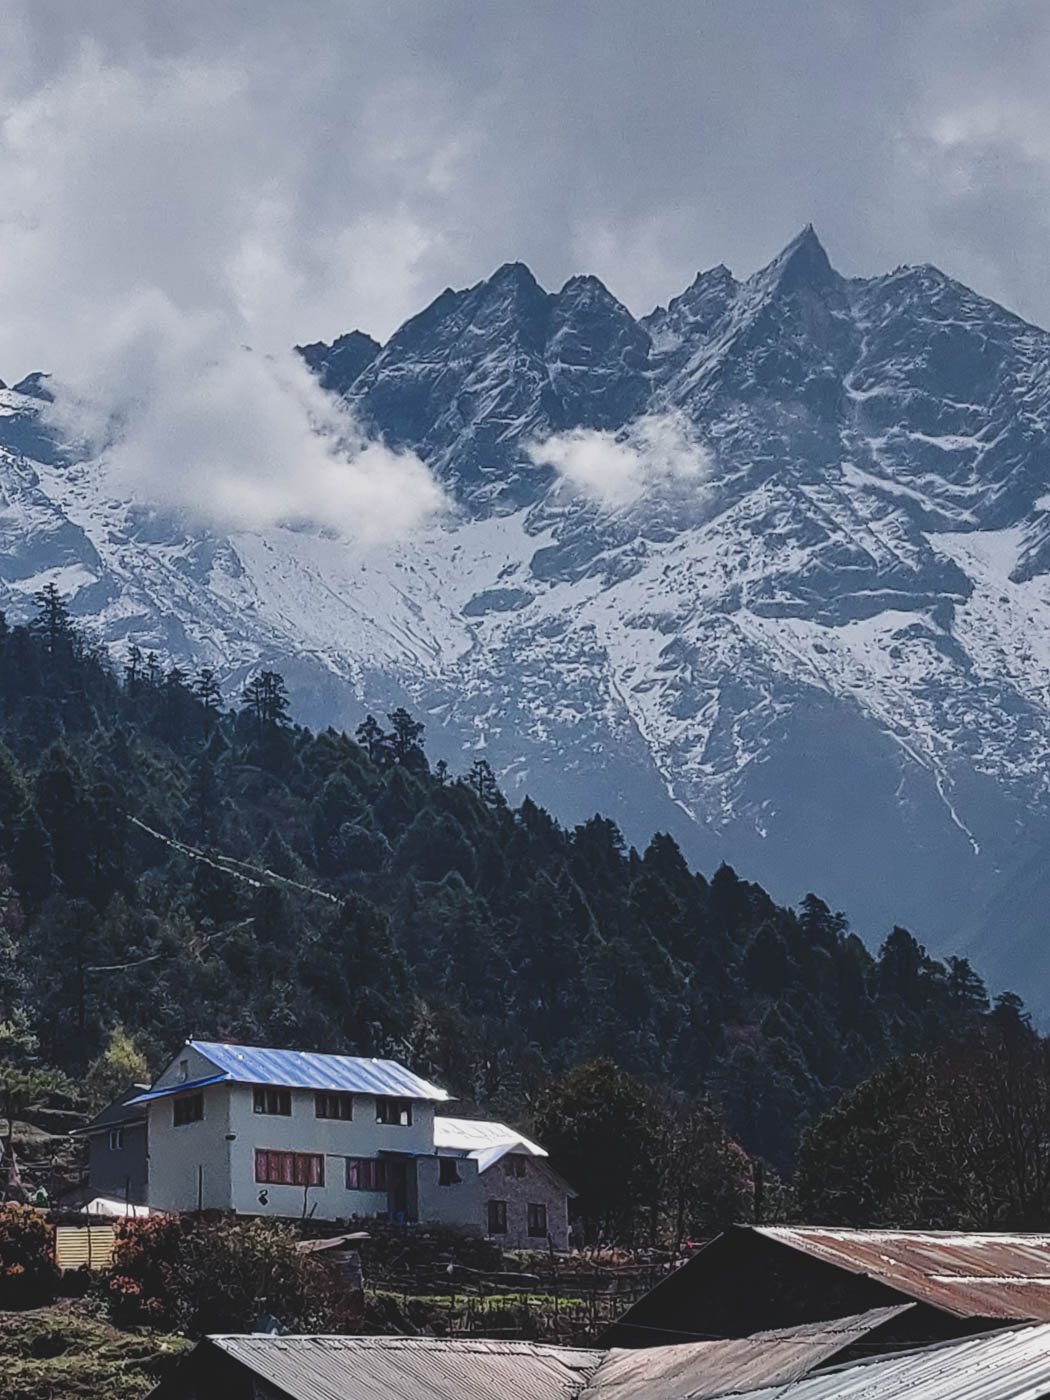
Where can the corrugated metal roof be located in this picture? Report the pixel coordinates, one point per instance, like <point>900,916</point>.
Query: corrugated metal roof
<point>702,1370</point>
<point>306,1069</point>
<point>968,1275</point>
<point>184,1088</point>
<point>412,1368</point>
<point>477,1136</point>
<point>1011,1365</point>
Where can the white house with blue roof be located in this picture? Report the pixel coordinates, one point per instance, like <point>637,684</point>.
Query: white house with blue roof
<point>277,1132</point>
<point>337,1137</point>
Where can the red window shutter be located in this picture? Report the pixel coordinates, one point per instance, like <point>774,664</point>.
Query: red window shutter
<point>316,1171</point>
<point>261,1173</point>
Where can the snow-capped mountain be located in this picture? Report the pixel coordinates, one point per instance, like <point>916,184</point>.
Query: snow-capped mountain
<point>825,659</point>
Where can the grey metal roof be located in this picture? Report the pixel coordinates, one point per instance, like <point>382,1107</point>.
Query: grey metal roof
<point>703,1370</point>
<point>306,1069</point>
<point>411,1368</point>
<point>1008,1365</point>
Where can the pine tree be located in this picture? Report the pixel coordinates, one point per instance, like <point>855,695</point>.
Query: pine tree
<point>52,621</point>
<point>206,689</point>
<point>483,782</point>
<point>133,671</point>
<point>374,742</point>
<point>965,989</point>
<point>406,736</point>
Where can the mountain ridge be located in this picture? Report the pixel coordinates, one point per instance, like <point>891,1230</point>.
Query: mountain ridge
<point>827,658</point>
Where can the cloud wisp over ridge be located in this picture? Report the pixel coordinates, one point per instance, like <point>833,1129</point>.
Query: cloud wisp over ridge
<point>657,453</point>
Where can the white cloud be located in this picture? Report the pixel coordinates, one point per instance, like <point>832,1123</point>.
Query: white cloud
<point>238,440</point>
<point>138,267</point>
<point>655,453</point>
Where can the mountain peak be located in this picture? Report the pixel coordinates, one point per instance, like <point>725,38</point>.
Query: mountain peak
<point>338,365</point>
<point>513,274</point>
<point>802,263</point>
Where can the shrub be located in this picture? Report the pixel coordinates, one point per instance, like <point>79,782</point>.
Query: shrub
<point>28,1274</point>
<point>141,1282</point>
<point>213,1276</point>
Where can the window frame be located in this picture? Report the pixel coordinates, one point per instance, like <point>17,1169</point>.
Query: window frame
<point>324,1099</point>
<point>271,1101</point>
<point>448,1171</point>
<point>369,1173</point>
<point>186,1109</point>
<point>279,1166</point>
<point>496,1217</point>
<point>116,1139</point>
<point>514,1165</point>
<point>536,1220</point>
<point>393,1112</point>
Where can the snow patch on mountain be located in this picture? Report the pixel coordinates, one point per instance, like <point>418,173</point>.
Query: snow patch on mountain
<point>769,568</point>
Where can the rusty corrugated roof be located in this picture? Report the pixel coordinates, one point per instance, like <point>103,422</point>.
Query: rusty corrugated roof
<point>703,1370</point>
<point>1007,1365</point>
<point>411,1368</point>
<point>968,1275</point>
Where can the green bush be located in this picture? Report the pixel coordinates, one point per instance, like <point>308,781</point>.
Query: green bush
<point>213,1276</point>
<point>28,1274</point>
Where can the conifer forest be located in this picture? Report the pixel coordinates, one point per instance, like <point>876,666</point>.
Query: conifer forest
<point>172,866</point>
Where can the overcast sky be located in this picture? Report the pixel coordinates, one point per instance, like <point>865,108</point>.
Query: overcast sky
<point>311,165</point>
<point>210,172</point>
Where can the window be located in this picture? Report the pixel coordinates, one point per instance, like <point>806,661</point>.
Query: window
<point>334,1105</point>
<point>184,1071</point>
<point>275,1101</point>
<point>366,1174</point>
<point>538,1220</point>
<point>514,1166</point>
<point>116,1139</point>
<point>448,1171</point>
<point>188,1109</point>
<point>397,1112</point>
<point>288,1168</point>
<point>497,1217</point>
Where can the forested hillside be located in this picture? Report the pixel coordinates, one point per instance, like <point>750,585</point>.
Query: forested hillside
<point>176,869</point>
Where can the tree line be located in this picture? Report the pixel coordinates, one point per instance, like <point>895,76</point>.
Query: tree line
<point>173,865</point>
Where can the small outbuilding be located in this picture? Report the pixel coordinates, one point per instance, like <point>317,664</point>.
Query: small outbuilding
<point>516,1197</point>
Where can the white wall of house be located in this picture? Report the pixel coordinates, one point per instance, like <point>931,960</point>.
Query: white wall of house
<point>190,1163</point>
<point>459,1205</point>
<point>188,1064</point>
<point>335,1138</point>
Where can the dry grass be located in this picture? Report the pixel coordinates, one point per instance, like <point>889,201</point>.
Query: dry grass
<point>69,1352</point>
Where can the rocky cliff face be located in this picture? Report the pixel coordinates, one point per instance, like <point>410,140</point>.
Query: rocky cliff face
<point>827,659</point>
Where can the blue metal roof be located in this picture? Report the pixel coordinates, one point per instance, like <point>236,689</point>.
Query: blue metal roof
<point>306,1069</point>
<point>183,1088</point>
